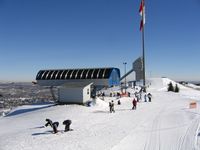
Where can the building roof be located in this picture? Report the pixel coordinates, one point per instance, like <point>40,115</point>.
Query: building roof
<point>66,74</point>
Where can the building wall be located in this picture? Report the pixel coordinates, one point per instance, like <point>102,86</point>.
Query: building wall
<point>86,93</point>
<point>103,82</point>
<point>138,68</point>
<point>70,95</point>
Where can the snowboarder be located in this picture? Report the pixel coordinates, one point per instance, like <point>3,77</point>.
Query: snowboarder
<point>49,122</point>
<point>67,124</point>
<point>55,127</point>
<point>134,102</point>
<point>52,124</point>
<point>149,96</point>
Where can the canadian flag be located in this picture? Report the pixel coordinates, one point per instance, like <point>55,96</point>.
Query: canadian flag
<point>142,14</point>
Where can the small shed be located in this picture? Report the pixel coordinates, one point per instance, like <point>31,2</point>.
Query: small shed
<point>75,93</point>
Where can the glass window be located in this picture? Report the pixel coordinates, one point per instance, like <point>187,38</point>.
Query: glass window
<point>49,75</point>
<point>88,91</point>
<point>39,75</point>
<point>107,73</point>
<point>58,75</point>
<point>45,74</point>
<point>84,74</point>
<point>95,73</point>
<point>53,76</point>
<point>78,74</point>
<point>101,74</point>
<point>73,74</point>
<point>89,75</point>
<point>68,75</point>
<point>63,74</point>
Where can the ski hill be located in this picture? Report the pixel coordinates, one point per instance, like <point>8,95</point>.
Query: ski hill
<point>166,123</point>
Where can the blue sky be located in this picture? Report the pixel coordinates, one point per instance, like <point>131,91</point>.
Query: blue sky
<point>58,34</point>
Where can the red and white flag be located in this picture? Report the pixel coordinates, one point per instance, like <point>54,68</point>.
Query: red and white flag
<point>142,14</point>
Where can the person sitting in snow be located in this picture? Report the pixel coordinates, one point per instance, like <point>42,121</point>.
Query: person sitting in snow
<point>67,124</point>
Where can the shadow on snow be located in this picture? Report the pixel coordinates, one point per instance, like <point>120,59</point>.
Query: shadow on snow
<point>21,111</point>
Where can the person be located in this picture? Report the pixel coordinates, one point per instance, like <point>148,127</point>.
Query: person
<point>49,122</point>
<point>149,96</point>
<point>119,102</point>
<point>112,106</point>
<point>145,97</point>
<point>67,124</point>
<point>134,102</point>
<point>55,127</point>
<point>52,124</point>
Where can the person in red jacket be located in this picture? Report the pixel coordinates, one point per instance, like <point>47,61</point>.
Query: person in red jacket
<point>134,102</point>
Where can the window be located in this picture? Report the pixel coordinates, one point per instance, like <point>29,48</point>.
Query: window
<point>88,91</point>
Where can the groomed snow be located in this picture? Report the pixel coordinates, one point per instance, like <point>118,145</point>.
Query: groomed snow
<point>166,123</point>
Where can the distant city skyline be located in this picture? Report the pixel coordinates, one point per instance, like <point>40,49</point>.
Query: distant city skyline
<point>59,34</point>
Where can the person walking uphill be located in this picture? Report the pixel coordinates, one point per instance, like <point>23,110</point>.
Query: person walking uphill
<point>134,102</point>
<point>111,106</point>
<point>149,96</point>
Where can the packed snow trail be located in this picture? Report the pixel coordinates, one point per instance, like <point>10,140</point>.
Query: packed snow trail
<point>172,126</point>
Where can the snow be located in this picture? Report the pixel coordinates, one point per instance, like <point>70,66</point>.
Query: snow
<point>166,123</point>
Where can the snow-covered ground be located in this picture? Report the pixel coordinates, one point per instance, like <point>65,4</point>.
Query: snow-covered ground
<point>166,123</point>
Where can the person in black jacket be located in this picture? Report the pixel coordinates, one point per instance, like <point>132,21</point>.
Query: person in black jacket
<point>49,122</point>
<point>52,124</point>
<point>55,127</point>
<point>67,124</point>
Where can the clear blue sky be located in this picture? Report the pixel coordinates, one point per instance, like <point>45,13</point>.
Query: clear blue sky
<point>58,34</point>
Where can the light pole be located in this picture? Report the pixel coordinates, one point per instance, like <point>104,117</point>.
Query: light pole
<point>125,74</point>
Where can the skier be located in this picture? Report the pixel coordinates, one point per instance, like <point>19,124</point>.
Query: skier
<point>134,102</point>
<point>67,124</point>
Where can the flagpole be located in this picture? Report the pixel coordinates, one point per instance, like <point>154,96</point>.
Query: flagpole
<point>143,59</point>
<point>143,50</point>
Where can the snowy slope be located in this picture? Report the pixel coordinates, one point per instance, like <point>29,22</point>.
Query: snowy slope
<point>166,123</point>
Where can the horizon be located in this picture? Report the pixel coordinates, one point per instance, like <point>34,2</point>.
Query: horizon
<point>58,34</point>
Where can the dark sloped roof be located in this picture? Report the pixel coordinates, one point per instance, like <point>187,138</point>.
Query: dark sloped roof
<point>66,74</point>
